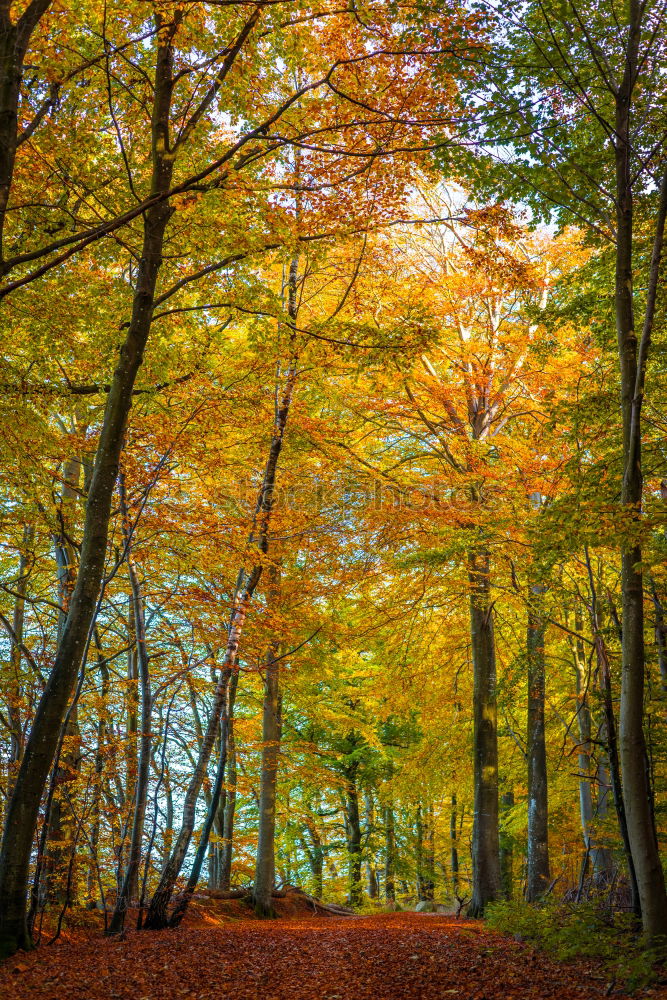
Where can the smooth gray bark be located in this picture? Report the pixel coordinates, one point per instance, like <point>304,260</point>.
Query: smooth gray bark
<point>271,726</point>
<point>130,886</point>
<point>226,852</point>
<point>390,854</point>
<point>485,836</point>
<point>537,874</point>
<point>15,658</point>
<point>453,845</point>
<point>507,850</point>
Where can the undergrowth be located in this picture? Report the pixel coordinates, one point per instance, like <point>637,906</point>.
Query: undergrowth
<point>585,930</point>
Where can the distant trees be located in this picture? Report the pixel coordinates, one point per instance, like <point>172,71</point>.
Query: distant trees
<point>313,472</point>
<point>571,128</point>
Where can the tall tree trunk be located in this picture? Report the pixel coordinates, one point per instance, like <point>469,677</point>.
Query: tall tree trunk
<point>485,836</point>
<point>39,753</point>
<point>131,697</point>
<point>507,850</point>
<point>429,853</point>
<point>453,845</point>
<point>615,769</point>
<point>632,360</point>
<point>371,873</point>
<point>425,853</point>
<point>214,847</point>
<point>390,854</point>
<point>102,723</point>
<point>168,836</point>
<point>15,657</point>
<point>316,861</point>
<point>58,871</point>
<point>271,727</point>
<point>537,875</point>
<point>599,855</point>
<point>265,858</point>
<point>226,852</point>
<point>353,832</point>
<point>419,853</point>
<point>130,887</point>
<point>609,731</point>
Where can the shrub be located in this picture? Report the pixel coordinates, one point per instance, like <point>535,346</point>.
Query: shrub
<point>585,930</point>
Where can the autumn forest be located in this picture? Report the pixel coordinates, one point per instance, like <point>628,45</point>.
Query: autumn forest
<point>333,497</point>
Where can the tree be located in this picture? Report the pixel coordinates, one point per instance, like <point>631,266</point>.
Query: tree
<point>603,94</point>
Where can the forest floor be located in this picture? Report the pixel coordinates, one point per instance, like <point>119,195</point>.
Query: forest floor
<point>393,956</point>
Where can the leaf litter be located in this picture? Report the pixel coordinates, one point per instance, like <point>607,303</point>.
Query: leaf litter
<point>396,956</point>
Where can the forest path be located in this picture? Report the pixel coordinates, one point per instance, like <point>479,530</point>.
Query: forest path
<point>401,956</point>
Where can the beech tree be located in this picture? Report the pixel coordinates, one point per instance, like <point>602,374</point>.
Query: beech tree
<point>565,89</point>
<point>326,549</point>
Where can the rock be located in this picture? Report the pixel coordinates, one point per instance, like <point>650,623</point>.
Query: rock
<point>426,906</point>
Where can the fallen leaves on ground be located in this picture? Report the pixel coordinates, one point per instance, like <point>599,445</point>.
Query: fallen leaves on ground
<point>398,956</point>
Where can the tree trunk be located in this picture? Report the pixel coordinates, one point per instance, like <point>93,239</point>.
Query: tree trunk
<point>602,857</point>
<point>314,852</point>
<point>39,753</point>
<point>265,859</point>
<point>429,852</point>
<point>130,887</point>
<point>58,873</point>
<point>214,847</point>
<point>371,873</point>
<point>608,731</point>
<point>425,853</point>
<point>168,836</point>
<point>599,856</point>
<point>614,768</point>
<point>485,836</point>
<point>59,868</point>
<point>317,868</point>
<point>453,845</point>
<point>641,830</point>
<point>15,690</point>
<point>507,851</point>
<point>131,698</point>
<point>102,723</point>
<point>353,832</point>
<point>537,875</point>
<point>419,853</point>
<point>390,854</point>
<point>225,874</point>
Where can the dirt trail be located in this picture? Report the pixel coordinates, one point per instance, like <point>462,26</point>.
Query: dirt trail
<point>387,957</point>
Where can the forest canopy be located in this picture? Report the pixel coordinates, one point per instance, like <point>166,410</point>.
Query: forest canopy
<point>333,482</point>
